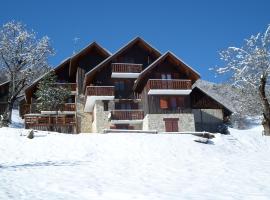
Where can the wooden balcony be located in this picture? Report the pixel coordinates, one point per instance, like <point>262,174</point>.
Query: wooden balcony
<point>169,87</point>
<point>99,91</point>
<point>127,115</point>
<point>48,120</point>
<point>65,124</point>
<point>94,93</point>
<point>126,70</point>
<point>32,108</point>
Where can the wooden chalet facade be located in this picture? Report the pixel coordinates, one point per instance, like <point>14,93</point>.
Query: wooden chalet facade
<point>135,88</point>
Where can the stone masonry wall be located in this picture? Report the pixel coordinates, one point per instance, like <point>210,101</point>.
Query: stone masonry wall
<point>84,119</point>
<point>101,117</point>
<point>156,122</point>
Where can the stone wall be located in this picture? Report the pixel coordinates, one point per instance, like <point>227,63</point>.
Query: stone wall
<point>156,122</point>
<point>84,119</point>
<point>101,117</point>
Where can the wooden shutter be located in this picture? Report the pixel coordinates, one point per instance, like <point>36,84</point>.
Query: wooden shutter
<point>163,103</point>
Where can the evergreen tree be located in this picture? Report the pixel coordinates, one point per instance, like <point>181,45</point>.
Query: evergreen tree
<point>51,96</point>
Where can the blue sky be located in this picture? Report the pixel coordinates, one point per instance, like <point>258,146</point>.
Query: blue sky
<point>194,30</point>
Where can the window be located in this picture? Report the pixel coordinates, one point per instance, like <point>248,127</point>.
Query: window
<point>166,76</point>
<point>163,103</point>
<point>105,105</point>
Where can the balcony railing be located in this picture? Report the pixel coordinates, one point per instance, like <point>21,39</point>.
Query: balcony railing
<point>127,115</point>
<point>169,84</point>
<point>49,120</point>
<point>71,86</point>
<point>32,108</point>
<point>126,68</point>
<point>99,91</point>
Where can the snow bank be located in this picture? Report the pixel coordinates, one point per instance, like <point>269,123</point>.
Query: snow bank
<point>133,166</point>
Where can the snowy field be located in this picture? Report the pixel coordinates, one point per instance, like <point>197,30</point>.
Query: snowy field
<point>133,166</point>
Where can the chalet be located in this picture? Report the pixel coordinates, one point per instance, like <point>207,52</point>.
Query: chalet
<point>137,88</point>
<point>4,87</point>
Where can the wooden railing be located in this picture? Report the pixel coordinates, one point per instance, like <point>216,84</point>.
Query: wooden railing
<point>32,108</point>
<point>126,67</point>
<point>49,120</point>
<point>71,86</point>
<point>99,91</point>
<point>61,124</point>
<point>3,106</point>
<point>169,84</point>
<point>127,114</point>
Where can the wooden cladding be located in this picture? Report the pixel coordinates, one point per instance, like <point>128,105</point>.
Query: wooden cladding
<point>169,84</point>
<point>99,91</point>
<point>126,68</point>
<point>71,86</point>
<point>127,114</point>
<point>50,120</point>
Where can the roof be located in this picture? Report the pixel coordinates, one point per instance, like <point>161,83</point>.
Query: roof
<point>206,93</point>
<point>65,62</point>
<point>89,47</point>
<point>28,89</point>
<point>121,50</point>
<point>159,60</point>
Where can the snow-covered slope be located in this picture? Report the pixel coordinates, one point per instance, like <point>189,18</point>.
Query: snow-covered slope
<point>133,166</point>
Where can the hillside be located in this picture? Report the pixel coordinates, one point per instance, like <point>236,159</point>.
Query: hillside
<point>133,166</point>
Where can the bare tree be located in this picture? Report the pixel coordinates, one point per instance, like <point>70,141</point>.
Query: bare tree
<point>23,57</point>
<point>248,68</point>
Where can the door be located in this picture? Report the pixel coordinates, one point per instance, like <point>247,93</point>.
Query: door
<point>171,124</point>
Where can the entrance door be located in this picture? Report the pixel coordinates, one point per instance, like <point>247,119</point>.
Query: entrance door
<point>171,124</point>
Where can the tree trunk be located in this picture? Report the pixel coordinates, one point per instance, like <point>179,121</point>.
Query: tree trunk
<point>7,114</point>
<point>266,106</point>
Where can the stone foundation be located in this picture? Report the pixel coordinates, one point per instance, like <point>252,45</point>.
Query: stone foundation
<point>156,122</point>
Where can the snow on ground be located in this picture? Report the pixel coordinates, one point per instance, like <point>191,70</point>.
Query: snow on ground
<point>133,166</point>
